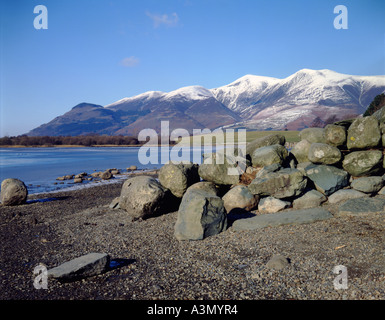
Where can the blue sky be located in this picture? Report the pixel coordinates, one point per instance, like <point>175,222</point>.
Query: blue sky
<point>100,51</point>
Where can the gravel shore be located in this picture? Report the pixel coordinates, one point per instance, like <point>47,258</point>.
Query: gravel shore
<point>149,263</point>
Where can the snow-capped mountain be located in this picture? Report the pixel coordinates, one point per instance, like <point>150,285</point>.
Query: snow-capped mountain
<point>258,102</point>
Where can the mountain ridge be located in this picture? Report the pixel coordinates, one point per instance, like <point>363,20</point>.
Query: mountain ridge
<point>251,101</point>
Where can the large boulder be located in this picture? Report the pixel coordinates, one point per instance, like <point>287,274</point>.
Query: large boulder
<point>269,155</point>
<point>323,153</point>
<point>265,141</point>
<point>301,151</point>
<point>335,135</point>
<point>220,169</point>
<point>284,183</point>
<point>178,177</point>
<point>143,197</point>
<point>13,192</point>
<point>313,135</point>
<point>327,179</point>
<point>240,197</point>
<point>364,133</point>
<point>362,163</point>
<point>200,215</point>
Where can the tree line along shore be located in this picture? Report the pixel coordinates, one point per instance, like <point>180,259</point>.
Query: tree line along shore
<point>108,141</point>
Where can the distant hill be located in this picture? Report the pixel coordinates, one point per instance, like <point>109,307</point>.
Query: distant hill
<point>255,102</point>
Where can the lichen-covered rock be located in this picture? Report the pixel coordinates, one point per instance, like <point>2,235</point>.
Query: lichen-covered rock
<point>362,163</point>
<point>200,215</point>
<point>323,153</point>
<point>364,133</point>
<point>13,192</point>
<point>280,184</point>
<point>335,135</point>
<point>143,197</point>
<point>269,155</point>
<point>178,177</point>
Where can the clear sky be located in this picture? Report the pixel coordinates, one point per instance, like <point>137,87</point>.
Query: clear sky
<point>100,51</point>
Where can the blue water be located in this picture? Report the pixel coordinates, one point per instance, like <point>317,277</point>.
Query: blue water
<point>38,168</point>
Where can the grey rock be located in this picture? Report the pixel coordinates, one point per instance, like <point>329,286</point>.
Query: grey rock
<point>272,205</point>
<point>335,135</point>
<point>310,199</point>
<point>206,186</point>
<point>269,155</point>
<point>13,192</point>
<point>200,215</point>
<point>220,169</point>
<point>240,197</point>
<point>361,207</point>
<point>143,197</point>
<point>277,262</point>
<point>280,184</point>
<point>368,184</point>
<point>362,163</point>
<point>265,141</point>
<point>85,266</point>
<point>282,218</point>
<point>345,194</point>
<point>301,151</point>
<point>323,153</point>
<point>178,177</point>
<point>313,135</point>
<point>364,133</point>
<point>327,179</point>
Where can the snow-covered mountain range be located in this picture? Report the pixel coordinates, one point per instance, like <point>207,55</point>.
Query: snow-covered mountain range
<point>256,102</point>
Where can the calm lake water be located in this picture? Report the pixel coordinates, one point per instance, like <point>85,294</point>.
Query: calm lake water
<point>38,168</point>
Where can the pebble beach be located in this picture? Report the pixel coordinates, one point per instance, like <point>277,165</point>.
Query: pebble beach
<point>149,263</point>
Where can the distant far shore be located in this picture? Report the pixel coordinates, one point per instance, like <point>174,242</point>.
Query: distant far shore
<point>71,146</point>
